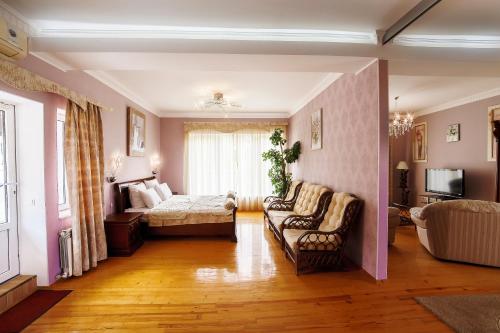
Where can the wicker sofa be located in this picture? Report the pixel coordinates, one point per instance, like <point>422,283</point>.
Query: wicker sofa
<point>290,196</point>
<point>317,242</point>
<point>310,201</point>
<point>460,230</point>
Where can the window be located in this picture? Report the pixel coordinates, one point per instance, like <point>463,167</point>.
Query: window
<point>218,162</point>
<point>62,183</point>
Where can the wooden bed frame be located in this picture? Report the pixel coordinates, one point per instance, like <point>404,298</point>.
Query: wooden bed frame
<point>226,229</point>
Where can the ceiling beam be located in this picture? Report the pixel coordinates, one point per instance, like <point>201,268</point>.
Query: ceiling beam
<point>411,16</point>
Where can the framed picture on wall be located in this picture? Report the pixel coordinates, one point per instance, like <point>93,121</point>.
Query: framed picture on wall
<point>420,142</point>
<point>136,132</point>
<point>453,133</point>
<point>493,114</point>
<point>317,129</point>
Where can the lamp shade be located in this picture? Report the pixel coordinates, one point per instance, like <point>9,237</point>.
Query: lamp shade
<point>402,165</point>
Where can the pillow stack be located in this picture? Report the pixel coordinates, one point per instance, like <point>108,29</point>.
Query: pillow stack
<point>230,204</point>
<point>148,194</point>
<point>150,197</point>
<point>135,195</point>
<point>163,191</point>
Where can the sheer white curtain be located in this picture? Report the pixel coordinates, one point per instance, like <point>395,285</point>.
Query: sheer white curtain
<point>218,162</point>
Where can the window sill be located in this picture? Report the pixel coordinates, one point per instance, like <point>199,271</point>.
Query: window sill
<point>64,213</point>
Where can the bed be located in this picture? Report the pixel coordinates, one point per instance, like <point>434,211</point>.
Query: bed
<point>181,215</point>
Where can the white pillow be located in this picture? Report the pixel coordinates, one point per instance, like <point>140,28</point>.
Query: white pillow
<point>163,191</point>
<point>151,183</point>
<point>135,195</point>
<point>150,197</point>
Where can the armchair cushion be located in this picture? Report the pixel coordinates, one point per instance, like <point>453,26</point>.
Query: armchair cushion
<point>333,217</point>
<point>291,190</point>
<point>308,198</point>
<point>277,217</point>
<point>313,242</point>
<point>416,217</point>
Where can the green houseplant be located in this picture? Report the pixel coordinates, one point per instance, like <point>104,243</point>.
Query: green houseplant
<point>280,157</point>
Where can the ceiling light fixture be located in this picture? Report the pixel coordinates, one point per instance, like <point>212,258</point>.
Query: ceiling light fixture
<point>59,29</point>
<point>457,41</point>
<point>400,124</point>
<point>218,101</point>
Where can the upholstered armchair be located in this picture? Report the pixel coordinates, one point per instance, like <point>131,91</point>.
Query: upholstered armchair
<point>310,202</point>
<point>460,230</point>
<point>290,196</point>
<point>317,243</point>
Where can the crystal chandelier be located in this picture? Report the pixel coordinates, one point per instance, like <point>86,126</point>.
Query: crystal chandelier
<point>400,124</point>
<point>219,101</point>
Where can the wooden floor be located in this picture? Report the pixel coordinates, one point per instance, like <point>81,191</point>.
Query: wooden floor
<point>197,285</point>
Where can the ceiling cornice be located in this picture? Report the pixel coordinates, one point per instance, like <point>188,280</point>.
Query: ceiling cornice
<point>449,41</point>
<point>458,102</point>
<point>318,89</point>
<point>114,84</point>
<point>53,61</point>
<point>222,114</point>
<point>55,29</point>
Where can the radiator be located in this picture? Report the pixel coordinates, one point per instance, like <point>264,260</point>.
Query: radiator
<point>66,253</point>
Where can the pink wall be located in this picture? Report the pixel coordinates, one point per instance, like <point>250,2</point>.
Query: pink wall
<point>114,126</point>
<point>114,122</point>
<point>172,147</point>
<point>469,153</point>
<point>354,157</point>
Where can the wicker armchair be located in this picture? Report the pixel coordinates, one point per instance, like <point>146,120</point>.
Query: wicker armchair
<point>291,195</point>
<point>314,243</point>
<point>310,203</point>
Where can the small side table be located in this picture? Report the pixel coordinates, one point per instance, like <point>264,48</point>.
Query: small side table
<point>404,213</point>
<point>123,233</point>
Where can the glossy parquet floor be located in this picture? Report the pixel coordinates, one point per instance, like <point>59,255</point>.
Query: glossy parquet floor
<point>210,285</point>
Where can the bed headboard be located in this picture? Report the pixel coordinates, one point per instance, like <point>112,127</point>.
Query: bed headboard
<point>122,198</point>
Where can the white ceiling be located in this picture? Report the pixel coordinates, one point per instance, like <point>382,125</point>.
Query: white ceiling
<point>433,93</point>
<point>460,17</point>
<point>269,75</point>
<point>172,84</point>
<point>358,15</point>
<point>272,93</point>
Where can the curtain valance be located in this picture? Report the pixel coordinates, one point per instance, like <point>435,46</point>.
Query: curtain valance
<point>20,78</point>
<point>228,127</point>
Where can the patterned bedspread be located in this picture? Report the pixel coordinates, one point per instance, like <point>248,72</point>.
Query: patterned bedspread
<point>189,209</point>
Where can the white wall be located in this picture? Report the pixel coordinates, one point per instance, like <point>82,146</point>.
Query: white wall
<point>32,228</point>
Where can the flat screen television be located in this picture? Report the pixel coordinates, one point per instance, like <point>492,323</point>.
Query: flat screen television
<point>448,182</point>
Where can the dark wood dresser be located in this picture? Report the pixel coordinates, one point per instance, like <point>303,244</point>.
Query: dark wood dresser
<point>123,233</point>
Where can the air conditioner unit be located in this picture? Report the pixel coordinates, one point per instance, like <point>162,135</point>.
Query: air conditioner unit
<point>13,41</point>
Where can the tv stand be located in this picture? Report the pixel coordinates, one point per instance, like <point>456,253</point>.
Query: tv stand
<point>426,199</point>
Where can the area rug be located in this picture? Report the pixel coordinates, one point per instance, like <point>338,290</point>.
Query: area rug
<point>466,313</point>
<point>28,310</point>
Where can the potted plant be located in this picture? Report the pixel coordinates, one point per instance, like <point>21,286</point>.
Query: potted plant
<point>280,157</point>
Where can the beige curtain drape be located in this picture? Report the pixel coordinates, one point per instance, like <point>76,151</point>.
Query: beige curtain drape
<point>222,156</point>
<point>84,159</point>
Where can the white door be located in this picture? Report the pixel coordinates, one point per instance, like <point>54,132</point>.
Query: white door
<point>9,251</point>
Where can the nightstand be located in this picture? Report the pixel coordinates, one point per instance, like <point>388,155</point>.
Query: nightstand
<point>123,233</point>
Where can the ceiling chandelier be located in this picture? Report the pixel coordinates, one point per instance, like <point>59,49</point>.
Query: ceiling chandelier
<point>400,124</point>
<point>218,100</point>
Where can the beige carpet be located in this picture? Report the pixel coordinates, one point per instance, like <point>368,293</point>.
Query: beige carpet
<point>466,313</point>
